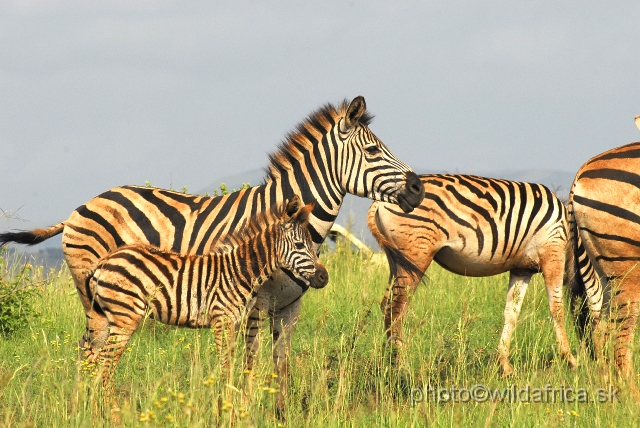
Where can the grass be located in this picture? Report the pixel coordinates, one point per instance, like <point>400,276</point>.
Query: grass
<point>339,374</point>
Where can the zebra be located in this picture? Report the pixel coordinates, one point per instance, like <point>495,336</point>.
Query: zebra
<point>331,153</point>
<point>604,207</point>
<point>197,291</point>
<point>476,226</point>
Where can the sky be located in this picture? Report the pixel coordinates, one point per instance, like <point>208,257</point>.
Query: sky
<point>97,94</point>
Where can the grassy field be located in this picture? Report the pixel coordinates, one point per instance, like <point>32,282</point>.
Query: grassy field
<point>171,376</point>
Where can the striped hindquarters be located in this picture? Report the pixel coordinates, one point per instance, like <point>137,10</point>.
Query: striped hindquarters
<point>606,205</point>
<point>606,199</point>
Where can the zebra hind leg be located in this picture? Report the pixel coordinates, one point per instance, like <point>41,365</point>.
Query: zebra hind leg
<point>402,285</point>
<point>553,272</point>
<point>120,328</point>
<point>626,314</point>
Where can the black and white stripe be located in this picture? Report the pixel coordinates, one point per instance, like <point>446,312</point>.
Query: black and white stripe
<point>476,226</point>
<point>211,290</point>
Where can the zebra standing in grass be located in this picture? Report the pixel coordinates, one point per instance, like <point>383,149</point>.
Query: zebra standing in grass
<point>211,290</point>
<point>331,153</point>
<point>605,206</point>
<point>476,226</point>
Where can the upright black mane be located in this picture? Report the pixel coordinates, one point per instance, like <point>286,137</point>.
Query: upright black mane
<point>301,138</point>
<point>253,226</point>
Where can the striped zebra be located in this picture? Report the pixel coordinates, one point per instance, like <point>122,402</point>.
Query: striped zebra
<point>211,290</point>
<point>604,205</point>
<point>331,153</point>
<point>476,226</point>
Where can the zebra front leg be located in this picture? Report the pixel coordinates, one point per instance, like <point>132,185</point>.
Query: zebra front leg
<point>255,321</point>
<point>518,283</point>
<point>283,325</point>
<point>225,334</point>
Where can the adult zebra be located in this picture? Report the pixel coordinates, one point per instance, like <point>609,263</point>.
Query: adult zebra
<point>605,205</point>
<point>331,153</point>
<point>476,226</point>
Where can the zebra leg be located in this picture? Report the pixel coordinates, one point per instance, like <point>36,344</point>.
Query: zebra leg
<point>402,284</point>
<point>96,333</point>
<point>518,283</point>
<point>255,320</point>
<point>627,308</point>
<point>553,273</point>
<point>283,325</point>
<point>120,327</point>
<point>601,323</point>
<point>225,337</point>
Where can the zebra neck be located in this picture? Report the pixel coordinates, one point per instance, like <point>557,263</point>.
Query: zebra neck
<point>281,186</point>
<point>251,263</point>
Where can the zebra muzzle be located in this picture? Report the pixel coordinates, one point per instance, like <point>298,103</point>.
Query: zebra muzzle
<point>412,194</point>
<point>321,278</point>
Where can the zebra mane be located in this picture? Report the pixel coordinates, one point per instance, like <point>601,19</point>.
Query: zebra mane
<point>252,227</point>
<point>321,121</point>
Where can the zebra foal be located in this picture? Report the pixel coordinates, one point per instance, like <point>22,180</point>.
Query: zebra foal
<point>212,290</point>
<point>476,226</point>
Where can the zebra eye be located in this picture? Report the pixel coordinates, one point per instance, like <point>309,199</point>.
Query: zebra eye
<point>300,245</point>
<point>372,150</point>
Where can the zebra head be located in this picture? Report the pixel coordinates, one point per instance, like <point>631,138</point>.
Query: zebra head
<point>295,249</point>
<point>370,169</point>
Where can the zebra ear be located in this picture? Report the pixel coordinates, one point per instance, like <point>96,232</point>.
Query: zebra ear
<point>293,206</point>
<point>356,109</point>
<point>302,216</point>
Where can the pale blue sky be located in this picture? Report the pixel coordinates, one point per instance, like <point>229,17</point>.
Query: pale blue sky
<point>103,93</point>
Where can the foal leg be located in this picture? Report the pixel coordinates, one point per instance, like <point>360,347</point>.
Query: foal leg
<point>122,324</point>
<point>518,283</point>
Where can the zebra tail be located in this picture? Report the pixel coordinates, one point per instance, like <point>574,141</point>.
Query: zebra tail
<point>31,237</point>
<point>396,259</point>
<point>573,280</point>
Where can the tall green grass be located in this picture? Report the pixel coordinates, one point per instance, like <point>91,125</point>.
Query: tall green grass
<point>339,372</point>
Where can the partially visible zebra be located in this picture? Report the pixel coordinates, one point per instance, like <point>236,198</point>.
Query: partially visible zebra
<point>331,153</point>
<point>605,205</point>
<point>476,226</point>
<point>211,290</point>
